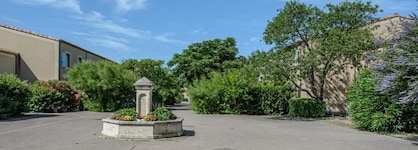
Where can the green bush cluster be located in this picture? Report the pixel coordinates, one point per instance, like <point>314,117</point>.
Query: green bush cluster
<point>54,96</point>
<point>306,107</point>
<point>163,114</point>
<point>233,94</point>
<point>107,85</point>
<point>45,99</point>
<point>14,95</point>
<point>375,111</point>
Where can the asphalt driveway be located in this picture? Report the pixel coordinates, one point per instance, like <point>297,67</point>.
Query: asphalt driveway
<point>81,130</point>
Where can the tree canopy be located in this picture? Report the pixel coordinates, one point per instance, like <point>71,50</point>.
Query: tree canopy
<point>166,89</point>
<point>200,59</point>
<point>313,45</point>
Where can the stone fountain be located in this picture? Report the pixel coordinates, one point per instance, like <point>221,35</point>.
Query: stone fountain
<point>142,129</point>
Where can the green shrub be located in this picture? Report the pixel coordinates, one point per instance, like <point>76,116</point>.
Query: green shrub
<point>126,114</point>
<point>306,107</point>
<point>163,114</point>
<point>270,99</point>
<point>45,99</point>
<point>107,85</point>
<point>14,95</point>
<point>205,96</point>
<point>72,97</point>
<point>374,111</point>
<point>231,93</point>
<point>363,100</point>
<point>93,106</point>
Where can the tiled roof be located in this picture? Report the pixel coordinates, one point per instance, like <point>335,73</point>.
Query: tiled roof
<point>29,32</point>
<point>46,37</point>
<point>397,15</point>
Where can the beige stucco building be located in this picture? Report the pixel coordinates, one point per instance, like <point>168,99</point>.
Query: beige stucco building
<point>337,87</point>
<point>33,56</point>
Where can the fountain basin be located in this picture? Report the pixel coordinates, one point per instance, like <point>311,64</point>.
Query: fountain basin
<point>142,129</point>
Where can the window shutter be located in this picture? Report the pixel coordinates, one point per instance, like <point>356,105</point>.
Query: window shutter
<point>63,60</point>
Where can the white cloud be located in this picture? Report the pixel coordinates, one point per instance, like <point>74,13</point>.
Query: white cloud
<point>109,43</point>
<point>71,5</point>
<point>127,5</point>
<point>97,20</point>
<point>199,31</point>
<point>106,41</point>
<point>254,39</point>
<point>166,38</point>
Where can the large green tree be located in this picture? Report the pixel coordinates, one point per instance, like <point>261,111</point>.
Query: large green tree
<point>166,89</point>
<point>314,45</point>
<point>107,85</point>
<point>200,59</point>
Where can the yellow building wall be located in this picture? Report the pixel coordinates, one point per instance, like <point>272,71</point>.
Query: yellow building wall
<point>38,55</point>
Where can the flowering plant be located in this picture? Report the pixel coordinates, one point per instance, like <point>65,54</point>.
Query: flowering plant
<point>124,115</point>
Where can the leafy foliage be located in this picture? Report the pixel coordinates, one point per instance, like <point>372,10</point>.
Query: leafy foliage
<point>45,99</point>
<point>72,97</point>
<point>398,69</point>
<point>166,90</point>
<point>313,45</point>
<point>126,114</point>
<point>374,111</point>
<point>270,98</point>
<point>162,114</point>
<point>14,95</point>
<point>235,93</point>
<point>200,59</point>
<point>108,86</point>
<point>205,96</point>
<point>306,107</point>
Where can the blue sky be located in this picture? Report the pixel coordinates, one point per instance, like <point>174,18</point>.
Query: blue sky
<point>156,29</point>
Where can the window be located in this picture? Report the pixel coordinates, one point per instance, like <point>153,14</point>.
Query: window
<point>80,59</point>
<point>65,60</point>
<point>68,60</point>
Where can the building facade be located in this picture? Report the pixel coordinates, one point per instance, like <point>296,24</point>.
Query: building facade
<point>33,56</point>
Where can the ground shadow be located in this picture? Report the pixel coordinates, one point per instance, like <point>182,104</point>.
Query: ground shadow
<point>188,133</point>
<point>180,106</point>
<point>28,117</point>
<point>290,118</point>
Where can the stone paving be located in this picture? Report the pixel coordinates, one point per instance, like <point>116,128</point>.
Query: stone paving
<point>81,130</point>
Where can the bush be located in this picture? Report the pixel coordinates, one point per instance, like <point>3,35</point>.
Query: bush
<point>205,96</point>
<point>163,114</point>
<point>14,95</point>
<point>270,99</point>
<point>45,98</point>
<point>54,96</point>
<point>107,85</point>
<point>306,107</point>
<point>232,93</point>
<point>72,97</point>
<point>375,111</point>
<point>125,114</point>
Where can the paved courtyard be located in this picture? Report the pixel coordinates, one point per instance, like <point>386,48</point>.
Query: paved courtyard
<point>81,130</point>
